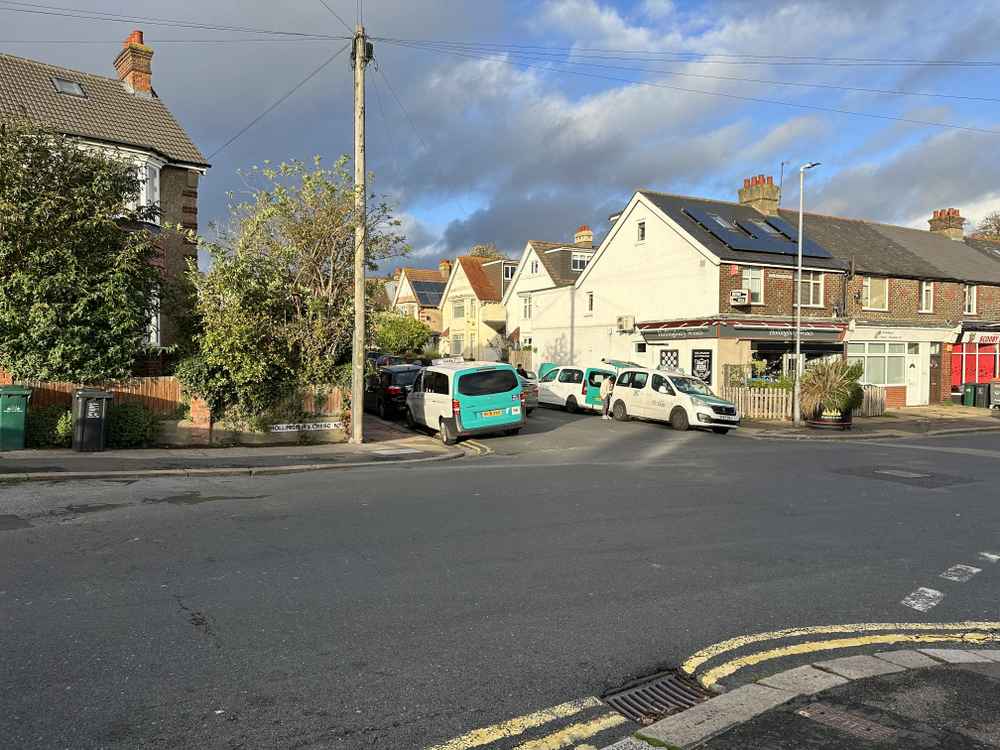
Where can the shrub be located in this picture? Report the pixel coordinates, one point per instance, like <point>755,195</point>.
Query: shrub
<point>831,385</point>
<point>49,427</point>
<point>130,426</point>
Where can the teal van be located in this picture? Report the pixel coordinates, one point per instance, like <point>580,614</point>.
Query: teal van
<point>460,399</point>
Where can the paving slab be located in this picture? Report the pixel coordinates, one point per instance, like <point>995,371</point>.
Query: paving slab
<point>858,667</point>
<point>803,680</point>
<point>629,743</point>
<point>715,716</point>
<point>956,655</point>
<point>907,658</point>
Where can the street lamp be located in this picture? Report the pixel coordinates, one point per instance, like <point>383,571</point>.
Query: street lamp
<point>797,397</point>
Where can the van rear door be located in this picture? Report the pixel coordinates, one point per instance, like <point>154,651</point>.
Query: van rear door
<point>488,397</point>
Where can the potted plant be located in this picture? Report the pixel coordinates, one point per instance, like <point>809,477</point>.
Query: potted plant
<point>830,393</point>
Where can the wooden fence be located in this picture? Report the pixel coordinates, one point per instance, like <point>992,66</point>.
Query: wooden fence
<point>162,396</point>
<point>776,403</point>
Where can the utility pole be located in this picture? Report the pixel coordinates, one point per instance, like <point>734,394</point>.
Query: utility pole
<point>360,57</point>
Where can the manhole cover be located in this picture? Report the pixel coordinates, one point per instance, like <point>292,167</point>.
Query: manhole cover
<point>846,721</point>
<point>652,698</point>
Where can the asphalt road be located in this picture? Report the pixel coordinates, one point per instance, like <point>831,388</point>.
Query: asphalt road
<point>400,607</point>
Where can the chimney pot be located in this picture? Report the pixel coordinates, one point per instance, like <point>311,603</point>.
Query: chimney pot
<point>134,64</point>
<point>948,222</point>
<point>584,236</point>
<point>760,193</point>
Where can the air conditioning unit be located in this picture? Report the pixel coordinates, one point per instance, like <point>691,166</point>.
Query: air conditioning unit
<point>626,323</point>
<point>739,297</point>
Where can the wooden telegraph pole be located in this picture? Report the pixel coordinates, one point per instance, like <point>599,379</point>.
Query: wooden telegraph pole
<point>360,57</point>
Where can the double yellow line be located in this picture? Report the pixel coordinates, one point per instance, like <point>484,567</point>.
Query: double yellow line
<point>480,448</point>
<point>859,635</point>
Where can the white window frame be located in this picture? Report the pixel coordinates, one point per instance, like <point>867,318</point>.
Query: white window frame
<point>508,272</point>
<point>578,262</point>
<point>457,344</point>
<point>458,309</point>
<point>526,307</point>
<point>534,268</point>
<point>154,326</point>
<point>926,297</point>
<point>815,280</point>
<point>860,351</point>
<point>590,302</point>
<point>750,273</point>
<point>866,293</point>
<point>970,293</point>
<point>640,231</point>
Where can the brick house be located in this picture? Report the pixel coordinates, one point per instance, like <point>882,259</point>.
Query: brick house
<point>418,293</point>
<point>123,116</point>
<point>702,284</point>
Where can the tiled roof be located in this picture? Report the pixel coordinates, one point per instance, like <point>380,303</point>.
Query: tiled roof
<point>424,274</point>
<point>109,113</point>
<point>479,280</point>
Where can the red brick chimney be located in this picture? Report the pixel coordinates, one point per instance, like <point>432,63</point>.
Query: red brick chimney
<point>584,237</point>
<point>445,268</point>
<point>948,222</point>
<point>134,65</point>
<point>761,194</point>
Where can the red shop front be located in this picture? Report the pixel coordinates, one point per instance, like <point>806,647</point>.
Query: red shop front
<point>976,359</point>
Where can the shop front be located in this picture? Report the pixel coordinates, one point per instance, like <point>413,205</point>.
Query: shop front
<point>906,361</point>
<point>975,359</point>
<point>731,349</point>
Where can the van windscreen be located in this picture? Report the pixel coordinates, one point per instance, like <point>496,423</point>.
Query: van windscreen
<point>487,382</point>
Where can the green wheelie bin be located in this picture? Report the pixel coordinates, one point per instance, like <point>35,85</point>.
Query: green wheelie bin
<point>13,411</point>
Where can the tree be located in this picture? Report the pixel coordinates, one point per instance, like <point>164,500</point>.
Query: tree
<point>79,278</point>
<point>487,250</point>
<point>276,307</point>
<point>989,227</point>
<point>399,334</point>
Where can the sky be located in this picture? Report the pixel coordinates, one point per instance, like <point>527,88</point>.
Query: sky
<point>506,120</point>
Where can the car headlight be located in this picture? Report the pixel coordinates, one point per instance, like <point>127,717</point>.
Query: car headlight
<point>699,401</point>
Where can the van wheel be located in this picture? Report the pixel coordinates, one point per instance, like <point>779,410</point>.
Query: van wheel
<point>619,412</point>
<point>679,420</point>
<point>446,434</point>
<point>571,405</point>
<point>410,421</point>
<point>720,430</point>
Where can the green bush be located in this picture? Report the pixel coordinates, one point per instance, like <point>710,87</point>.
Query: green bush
<point>130,426</point>
<point>48,427</point>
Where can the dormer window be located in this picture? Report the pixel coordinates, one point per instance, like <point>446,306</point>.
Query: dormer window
<point>70,88</point>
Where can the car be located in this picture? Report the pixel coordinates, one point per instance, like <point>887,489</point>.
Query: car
<point>671,396</point>
<point>529,382</point>
<point>386,390</point>
<point>461,399</point>
<point>572,387</point>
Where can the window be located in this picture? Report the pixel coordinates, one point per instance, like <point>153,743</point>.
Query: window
<point>472,345</point>
<point>926,296</point>
<point>692,386</point>
<point>457,345</point>
<point>149,188</point>
<point>625,380</point>
<point>597,377</point>
<point>812,289</point>
<point>458,309</point>
<point>418,384</point>
<point>579,261</point>
<point>508,272</point>
<point>534,267</point>
<point>753,279</point>
<point>662,385</point>
<point>885,364</point>
<point>71,88</point>
<point>153,329</point>
<point>639,379</point>
<point>487,382</point>
<point>436,382</point>
<point>640,347</point>
<point>404,378</point>
<point>875,294</point>
<point>550,376</point>
<point>590,302</point>
<point>970,299</point>
<point>640,235</point>
<point>526,305</point>
<point>571,376</point>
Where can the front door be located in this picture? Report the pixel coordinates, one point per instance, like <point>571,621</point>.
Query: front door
<point>915,379</point>
<point>935,375</point>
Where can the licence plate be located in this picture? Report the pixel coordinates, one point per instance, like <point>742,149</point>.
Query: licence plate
<point>727,417</point>
<point>493,413</point>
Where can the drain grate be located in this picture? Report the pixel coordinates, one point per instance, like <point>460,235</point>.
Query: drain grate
<point>653,698</point>
<point>846,721</point>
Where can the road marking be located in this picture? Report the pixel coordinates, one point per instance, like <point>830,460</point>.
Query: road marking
<point>960,573</point>
<point>517,726</point>
<point>923,599</point>
<point>717,649</point>
<point>712,677</point>
<point>989,557</point>
<point>902,474</point>
<point>574,733</point>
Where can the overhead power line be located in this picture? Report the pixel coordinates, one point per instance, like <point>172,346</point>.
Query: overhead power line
<point>676,73</point>
<point>720,94</point>
<point>279,102</point>
<point>336,15</point>
<point>206,40</point>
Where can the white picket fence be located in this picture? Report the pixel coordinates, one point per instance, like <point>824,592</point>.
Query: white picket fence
<point>776,403</point>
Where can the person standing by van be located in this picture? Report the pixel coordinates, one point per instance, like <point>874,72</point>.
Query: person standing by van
<point>607,388</point>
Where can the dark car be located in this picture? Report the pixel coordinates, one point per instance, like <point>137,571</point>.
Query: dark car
<point>385,390</point>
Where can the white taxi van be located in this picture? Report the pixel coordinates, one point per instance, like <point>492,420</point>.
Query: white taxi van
<point>671,396</point>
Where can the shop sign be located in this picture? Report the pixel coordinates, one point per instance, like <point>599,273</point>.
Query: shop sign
<point>701,364</point>
<point>781,334</point>
<point>978,337</point>
<point>675,334</point>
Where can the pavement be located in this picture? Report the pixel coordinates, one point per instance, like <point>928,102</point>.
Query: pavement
<point>484,603</point>
<point>900,699</point>
<point>384,442</point>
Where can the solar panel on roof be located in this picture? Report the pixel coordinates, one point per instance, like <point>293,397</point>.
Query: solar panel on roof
<point>428,292</point>
<point>765,235</point>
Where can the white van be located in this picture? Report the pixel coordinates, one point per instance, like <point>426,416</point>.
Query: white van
<point>573,388</point>
<point>669,396</point>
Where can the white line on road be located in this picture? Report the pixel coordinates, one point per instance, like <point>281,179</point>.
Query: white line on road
<point>989,557</point>
<point>939,449</point>
<point>960,573</point>
<point>923,599</point>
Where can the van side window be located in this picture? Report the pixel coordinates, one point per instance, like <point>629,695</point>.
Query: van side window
<point>436,382</point>
<point>625,380</point>
<point>639,379</point>
<point>418,384</point>
<point>597,377</point>
<point>549,376</point>
<point>660,382</point>
<point>571,376</point>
